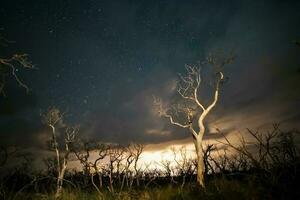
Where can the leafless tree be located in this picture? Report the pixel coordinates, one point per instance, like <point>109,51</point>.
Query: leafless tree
<point>149,175</point>
<point>115,156</point>
<point>207,158</point>
<point>184,165</point>
<point>82,153</point>
<point>242,147</point>
<point>127,172</point>
<point>101,150</point>
<point>10,67</point>
<point>61,145</point>
<point>222,161</point>
<point>136,150</point>
<point>273,148</point>
<point>192,112</point>
<point>168,170</point>
<point>238,162</point>
<point>91,167</point>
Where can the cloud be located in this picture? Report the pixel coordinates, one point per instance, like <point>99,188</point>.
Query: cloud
<point>157,132</point>
<point>262,87</point>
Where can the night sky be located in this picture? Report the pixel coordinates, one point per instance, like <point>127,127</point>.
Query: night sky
<point>101,62</point>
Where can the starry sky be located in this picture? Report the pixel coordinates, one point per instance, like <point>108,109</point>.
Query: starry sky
<point>101,62</point>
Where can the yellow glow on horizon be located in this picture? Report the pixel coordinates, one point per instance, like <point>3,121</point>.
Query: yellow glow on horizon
<point>154,154</point>
<point>154,158</point>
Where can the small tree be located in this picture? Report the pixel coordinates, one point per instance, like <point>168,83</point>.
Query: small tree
<point>136,151</point>
<point>115,155</point>
<point>61,145</point>
<point>184,165</point>
<point>192,111</point>
<point>83,152</point>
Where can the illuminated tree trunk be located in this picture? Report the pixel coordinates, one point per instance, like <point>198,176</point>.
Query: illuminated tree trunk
<point>60,172</point>
<point>200,164</point>
<point>61,175</point>
<point>188,89</point>
<point>53,118</point>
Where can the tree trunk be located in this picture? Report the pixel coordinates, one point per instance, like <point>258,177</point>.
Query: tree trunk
<point>100,179</point>
<point>60,180</point>
<point>58,188</point>
<point>200,164</point>
<point>200,169</point>
<point>111,187</point>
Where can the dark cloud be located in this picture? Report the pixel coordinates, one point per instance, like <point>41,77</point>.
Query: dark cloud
<point>102,62</point>
<point>16,102</point>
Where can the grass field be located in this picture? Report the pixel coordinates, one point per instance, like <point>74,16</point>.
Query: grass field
<point>223,187</point>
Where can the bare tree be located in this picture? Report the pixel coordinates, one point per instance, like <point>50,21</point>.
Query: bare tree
<point>168,170</point>
<point>149,175</point>
<point>136,150</point>
<point>82,150</point>
<point>115,156</point>
<point>183,163</point>
<point>127,172</point>
<point>273,148</point>
<point>91,168</point>
<point>61,145</point>
<point>192,112</point>
<point>207,157</point>
<point>10,67</point>
<point>82,153</point>
<point>102,152</point>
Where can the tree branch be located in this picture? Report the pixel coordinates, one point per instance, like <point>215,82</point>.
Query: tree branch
<point>208,109</point>
<point>21,59</point>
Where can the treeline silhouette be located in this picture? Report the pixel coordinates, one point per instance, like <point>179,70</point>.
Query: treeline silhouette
<point>263,166</point>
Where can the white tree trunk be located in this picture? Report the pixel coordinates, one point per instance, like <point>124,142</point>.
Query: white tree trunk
<point>192,82</point>
<point>200,163</point>
<point>60,180</point>
<point>200,169</point>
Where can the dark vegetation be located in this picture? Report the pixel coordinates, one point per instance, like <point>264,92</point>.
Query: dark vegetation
<point>265,166</point>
